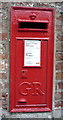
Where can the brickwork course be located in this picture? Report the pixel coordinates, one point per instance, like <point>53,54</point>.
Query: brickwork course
<point>5,60</point>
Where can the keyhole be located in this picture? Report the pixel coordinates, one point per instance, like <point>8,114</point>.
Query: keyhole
<point>22,72</point>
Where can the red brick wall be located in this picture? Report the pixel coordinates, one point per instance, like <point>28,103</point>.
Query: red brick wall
<point>59,61</point>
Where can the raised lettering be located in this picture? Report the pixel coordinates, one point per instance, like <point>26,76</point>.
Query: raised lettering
<point>24,88</point>
<point>37,89</point>
<point>34,88</point>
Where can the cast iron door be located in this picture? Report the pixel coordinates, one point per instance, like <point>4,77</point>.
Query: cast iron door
<point>31,59</point>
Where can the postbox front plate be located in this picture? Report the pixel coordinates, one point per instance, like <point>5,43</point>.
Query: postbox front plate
<point>31,59</point>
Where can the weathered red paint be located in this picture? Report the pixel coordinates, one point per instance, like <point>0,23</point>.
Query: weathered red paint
<point>31,86</point>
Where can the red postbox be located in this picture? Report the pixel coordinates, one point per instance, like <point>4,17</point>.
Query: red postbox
<point>31,59</point>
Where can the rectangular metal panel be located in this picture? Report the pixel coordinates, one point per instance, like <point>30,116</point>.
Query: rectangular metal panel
<point>31,59</point>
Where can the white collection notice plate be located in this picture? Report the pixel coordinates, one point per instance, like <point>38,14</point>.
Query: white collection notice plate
<point>32,51</point>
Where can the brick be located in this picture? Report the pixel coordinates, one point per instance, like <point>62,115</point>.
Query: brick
<point>59,37</point>
<point>59,56</point>
<point>3,56</point>
<point>58,95</point>
<point>4,94</point>
<point>4,36</point>
<point>58,16</point>
<point>59,76</point>
<point>59,46</point>
<point>60,85</point>
<point>4,105</point>
<point>3,76</point>
<point>4,99</point>
<point>3,65</point>
<point>59,104</point>
<point>6,85</point>
<point>58,27</point>
<point>4,26</point>
<point>3,46</point>
<point>59,66</point>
